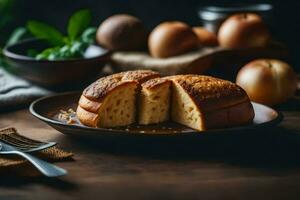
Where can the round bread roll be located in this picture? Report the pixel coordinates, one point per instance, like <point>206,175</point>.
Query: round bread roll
<point>205,37</point>
<point>121,32</point>
<point>243,30</point>
<point>268,81</point>
<point>171,39</point>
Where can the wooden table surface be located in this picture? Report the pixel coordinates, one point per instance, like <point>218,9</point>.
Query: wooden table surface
<point>261,164</point>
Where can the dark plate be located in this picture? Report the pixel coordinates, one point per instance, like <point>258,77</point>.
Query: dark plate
<point>58,72</point>
<point>48,108</point>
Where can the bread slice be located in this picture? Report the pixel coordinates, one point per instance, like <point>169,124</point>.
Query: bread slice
<point>111,100</point>
<point>154,101</point>
<point>112,104</point>
<point>204,102</point>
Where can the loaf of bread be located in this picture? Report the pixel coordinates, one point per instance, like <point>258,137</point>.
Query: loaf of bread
<point>111,100</point>
<point>199,102</point>
<point>204,102</point>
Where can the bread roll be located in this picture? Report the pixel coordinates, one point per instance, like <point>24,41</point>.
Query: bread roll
<point>122,32</point>
<point>171,39</point>
<point>243,30</point>
<point>205,37</point>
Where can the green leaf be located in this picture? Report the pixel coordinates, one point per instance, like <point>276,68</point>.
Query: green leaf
<point>88,36</point>
<point>65,51</point>
<point>73,50</point>
<point>44,31</point>
<point>16,36</point>
<point>78,23</point>
<point>77,49</point>
<point>48,54</point>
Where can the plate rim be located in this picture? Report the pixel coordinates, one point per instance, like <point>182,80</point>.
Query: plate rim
<point>50,121</point>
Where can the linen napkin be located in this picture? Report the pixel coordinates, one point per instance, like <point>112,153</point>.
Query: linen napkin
<point>16,92</point>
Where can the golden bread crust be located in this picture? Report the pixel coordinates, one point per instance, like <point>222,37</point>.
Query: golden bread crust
<point>100,88</point>
<point>93,104</point>
<point>89,105</point>
<point>210,93</point>
<point>235,115</point>
<point>103,86</point>
<point>154,83</point>
<point>86,117</point>
<point>140,75</point>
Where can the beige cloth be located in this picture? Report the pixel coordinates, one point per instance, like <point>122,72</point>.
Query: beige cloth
<point>225,61</point>
<point>193,62</point>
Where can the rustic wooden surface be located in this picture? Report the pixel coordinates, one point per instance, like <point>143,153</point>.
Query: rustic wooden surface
<point>261,164</point>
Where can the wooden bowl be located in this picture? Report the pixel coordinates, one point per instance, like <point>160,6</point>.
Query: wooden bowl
<point>58,72</point>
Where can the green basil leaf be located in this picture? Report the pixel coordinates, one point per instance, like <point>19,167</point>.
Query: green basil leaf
<point>43,55</point>
<point>65,51</point>
<point>78,23</point>
<point>48,54</point>
<point>89,35</point>
<point>77,49</point>
<point>16,36</point>
<point>55,55</point>
<point>44,31</point>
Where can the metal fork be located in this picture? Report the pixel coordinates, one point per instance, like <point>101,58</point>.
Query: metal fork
<point>25,144</point>
<point>46,168</point>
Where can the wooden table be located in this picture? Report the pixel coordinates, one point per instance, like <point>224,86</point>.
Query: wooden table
<point>261,164</point>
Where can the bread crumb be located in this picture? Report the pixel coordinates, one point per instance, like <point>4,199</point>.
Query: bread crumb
<point>67,116</point>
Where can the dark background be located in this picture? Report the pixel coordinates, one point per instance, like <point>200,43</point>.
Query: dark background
<point>285,17</point>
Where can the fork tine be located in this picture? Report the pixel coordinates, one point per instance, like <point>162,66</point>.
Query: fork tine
<point>18,137</point>
<point>25,144</point>
<point>30,148</point>
<point>23,139</point>
<point>18,145</point>
<point>17,140</point>
<point>41,147</point>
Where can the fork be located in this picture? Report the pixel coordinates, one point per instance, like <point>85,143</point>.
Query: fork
<point>25,144</point>
<point>45,168</point>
